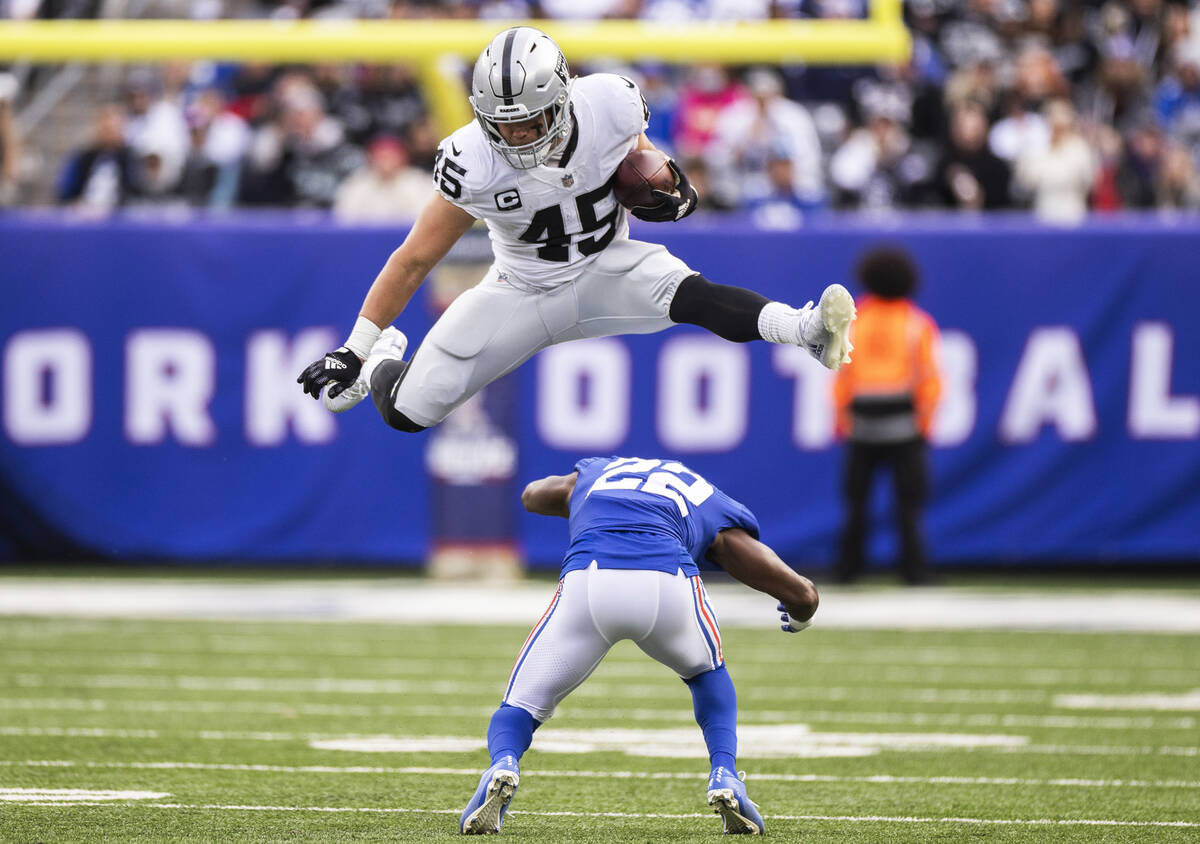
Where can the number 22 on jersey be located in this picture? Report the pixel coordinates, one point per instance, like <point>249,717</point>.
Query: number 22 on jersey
<point>656,478</point>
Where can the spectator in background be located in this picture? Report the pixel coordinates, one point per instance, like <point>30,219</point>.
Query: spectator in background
<point>707,91</point>
<point>868,169</point>
<point>102,176</point>
<point>1177,98</point>
<point>885,400</point>
<point>663,100</point>
<point>1064,25</point>
<point>972,33</point>
<point>779,209</point>
<point>252,89</point>
<point>1138,173</point>
<point>1178,185</point>
<point>1110,149</point>
<point>386,100</point>
<point>977,83</point>
<point>1036,78</point>
<point>588,9</point>
<point>385,189</point>
<point>1021,130</point>
<point>158,174</point>
<point>154,123</point>
<point>10,143</point>
<point>422,142</point>
<point>1059,178</point>
<point>220,139</point>
<point>300,158</point>
<point>970,176</point>
<point>699,176</point>
<point>1128,44</point>
<point>751,132</point>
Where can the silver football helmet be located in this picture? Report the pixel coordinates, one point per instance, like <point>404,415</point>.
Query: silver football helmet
<point>520,76</point>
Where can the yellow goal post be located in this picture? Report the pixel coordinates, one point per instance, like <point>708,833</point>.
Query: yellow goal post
<point>437,48</point>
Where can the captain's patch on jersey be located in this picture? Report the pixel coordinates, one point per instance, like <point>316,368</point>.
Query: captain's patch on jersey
<point>508,200</point>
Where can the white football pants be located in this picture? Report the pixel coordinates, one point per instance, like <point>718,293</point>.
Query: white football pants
<point>495,327</point>
<point>668,616</point>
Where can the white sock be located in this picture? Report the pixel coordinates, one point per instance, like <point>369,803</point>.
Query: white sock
<point>779,323</point>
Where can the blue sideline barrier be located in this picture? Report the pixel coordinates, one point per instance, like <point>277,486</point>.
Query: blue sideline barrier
<point>150,410</point>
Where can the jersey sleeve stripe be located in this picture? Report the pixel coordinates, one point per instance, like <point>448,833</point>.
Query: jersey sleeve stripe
<point>532,638</point>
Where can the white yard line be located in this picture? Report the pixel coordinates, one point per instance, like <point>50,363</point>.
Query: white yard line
<point>875,779</point>
<point>912,741</point>
<point>661,815</point>
<point>1189,700</point>
<point>58,796</point>
<point>573,713</point>
<point>765,674</point>
<point>39,639</point>
<point>597,688</point>
<point>425,602</point>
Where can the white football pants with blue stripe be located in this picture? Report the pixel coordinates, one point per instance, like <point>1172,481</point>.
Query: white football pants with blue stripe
<point>666,615</point>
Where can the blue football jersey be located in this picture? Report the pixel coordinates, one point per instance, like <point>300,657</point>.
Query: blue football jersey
<point>630,513</point>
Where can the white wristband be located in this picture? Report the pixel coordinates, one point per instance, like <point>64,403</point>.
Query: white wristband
<point>363,337</point>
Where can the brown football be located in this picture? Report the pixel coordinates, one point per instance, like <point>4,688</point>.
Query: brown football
<point>642,171</point>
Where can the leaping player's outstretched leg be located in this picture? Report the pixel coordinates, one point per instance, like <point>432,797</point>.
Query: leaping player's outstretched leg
<point>741,315</point>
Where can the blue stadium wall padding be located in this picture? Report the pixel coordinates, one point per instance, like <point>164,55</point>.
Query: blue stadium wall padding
<point>146,390</point>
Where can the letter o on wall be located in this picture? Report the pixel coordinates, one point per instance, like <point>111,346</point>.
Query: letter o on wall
<point>583,394</point>
<point>47,387</point>
<point>703,394</point>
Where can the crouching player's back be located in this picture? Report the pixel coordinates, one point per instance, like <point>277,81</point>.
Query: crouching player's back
<point>638,528</point>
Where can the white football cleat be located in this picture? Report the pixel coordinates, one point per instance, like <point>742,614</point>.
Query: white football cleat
<point>728,798</point>
<point>391,345</point>
<point>825,329</point>
<point>485,813</point>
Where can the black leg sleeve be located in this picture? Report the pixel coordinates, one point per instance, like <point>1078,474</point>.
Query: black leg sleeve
<point>728,312</point>
<point>384,380</point>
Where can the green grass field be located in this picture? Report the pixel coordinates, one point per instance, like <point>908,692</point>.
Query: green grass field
<point>847,736</point>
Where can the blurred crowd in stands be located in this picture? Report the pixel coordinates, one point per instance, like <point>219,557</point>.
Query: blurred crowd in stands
<point>1064,107</point>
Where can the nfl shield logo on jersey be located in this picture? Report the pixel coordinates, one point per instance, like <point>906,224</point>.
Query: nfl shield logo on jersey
<point>568,180</point>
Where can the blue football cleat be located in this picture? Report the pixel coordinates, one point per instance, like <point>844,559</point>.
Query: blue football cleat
<point>485,812</point>
<point>727,796</point>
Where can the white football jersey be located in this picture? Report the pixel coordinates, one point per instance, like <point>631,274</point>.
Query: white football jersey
<point>547,223</point>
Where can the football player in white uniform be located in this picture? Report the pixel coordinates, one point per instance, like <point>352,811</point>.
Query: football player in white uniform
<point>537,165</point>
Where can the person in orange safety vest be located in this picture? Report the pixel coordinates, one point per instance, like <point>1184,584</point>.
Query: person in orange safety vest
<point>885,401</point>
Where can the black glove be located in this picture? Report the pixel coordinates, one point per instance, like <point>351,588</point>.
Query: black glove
<point>671,206</point>
<point>338,368</point>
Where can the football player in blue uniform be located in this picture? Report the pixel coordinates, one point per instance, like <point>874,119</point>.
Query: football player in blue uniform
<point>638,529</point>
